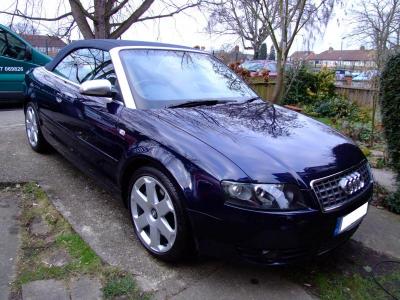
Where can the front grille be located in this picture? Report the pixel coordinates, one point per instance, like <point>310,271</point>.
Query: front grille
<point>331,195</point>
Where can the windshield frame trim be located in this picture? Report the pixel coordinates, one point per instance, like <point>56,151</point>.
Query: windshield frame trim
<point>121,75</point>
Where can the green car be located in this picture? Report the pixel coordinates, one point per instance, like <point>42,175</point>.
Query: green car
<point>16,58</point>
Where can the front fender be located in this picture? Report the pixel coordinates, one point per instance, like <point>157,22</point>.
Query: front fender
<point>196,167</point>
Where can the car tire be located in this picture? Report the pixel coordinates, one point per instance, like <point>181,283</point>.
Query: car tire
<point>160,225</point>
<point>33,130</point>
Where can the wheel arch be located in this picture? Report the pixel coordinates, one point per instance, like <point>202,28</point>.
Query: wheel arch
<point>173,170</point>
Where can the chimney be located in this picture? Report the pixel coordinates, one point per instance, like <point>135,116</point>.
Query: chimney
<point>362,48</point>
<point>330,49</point>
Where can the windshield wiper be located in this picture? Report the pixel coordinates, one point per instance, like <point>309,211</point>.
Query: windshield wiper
<point>251,99</point>
<point>199,103</point>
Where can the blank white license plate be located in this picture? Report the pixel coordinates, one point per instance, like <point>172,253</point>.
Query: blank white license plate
<point>348,220</point>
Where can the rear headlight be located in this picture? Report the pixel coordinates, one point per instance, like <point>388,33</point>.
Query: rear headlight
<point>264,196</point>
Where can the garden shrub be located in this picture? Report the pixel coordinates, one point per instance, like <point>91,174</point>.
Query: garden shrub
<point>390,110</point>
<point>315,93</point>
<point>336,107</point>
<point>356,130</point>
<point>306,87</point>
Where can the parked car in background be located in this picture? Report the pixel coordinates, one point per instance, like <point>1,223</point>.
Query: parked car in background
<point>256,66</point>
<point>16,58</point>
<point>200,160</point>
<point>366,76</point>
<point>341,74</point>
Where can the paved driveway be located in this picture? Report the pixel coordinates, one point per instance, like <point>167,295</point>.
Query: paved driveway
<point>104,223</point>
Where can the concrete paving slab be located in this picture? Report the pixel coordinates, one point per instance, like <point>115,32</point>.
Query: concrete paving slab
<point>86,288</point>
<point>237,283</point>
<point>59,258</point>
<point>45,290</point>
<point>380,230</point>
<point>9,241</point>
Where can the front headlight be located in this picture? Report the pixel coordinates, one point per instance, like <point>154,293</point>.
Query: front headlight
<point>264,196</point>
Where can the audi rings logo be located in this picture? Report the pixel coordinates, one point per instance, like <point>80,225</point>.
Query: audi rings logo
<point>351,183</point>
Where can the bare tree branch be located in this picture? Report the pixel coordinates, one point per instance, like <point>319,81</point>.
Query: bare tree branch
<point>20,14</point>
<point>100,18</point>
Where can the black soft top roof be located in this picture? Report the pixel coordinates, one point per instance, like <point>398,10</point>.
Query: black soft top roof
<point>103,45</point>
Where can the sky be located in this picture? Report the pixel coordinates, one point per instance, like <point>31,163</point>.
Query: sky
<point>189,29</point>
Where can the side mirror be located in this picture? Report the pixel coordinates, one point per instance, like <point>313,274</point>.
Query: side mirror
<point>28,53</point>
<point>98,87</point>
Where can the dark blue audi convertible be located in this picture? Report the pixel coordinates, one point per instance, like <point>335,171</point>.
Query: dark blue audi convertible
<point>200,160</point>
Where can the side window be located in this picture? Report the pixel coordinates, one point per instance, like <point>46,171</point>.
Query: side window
<point>65,67</point>
<point>11,47</point>
<point>105,69</point>
<point>3,42</point>
<point>87,64</point>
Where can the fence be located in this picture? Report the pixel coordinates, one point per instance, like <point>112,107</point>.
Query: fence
<point>361,95</point>
<point>262,88</point>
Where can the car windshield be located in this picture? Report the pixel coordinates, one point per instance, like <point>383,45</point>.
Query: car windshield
<point>162,78</point>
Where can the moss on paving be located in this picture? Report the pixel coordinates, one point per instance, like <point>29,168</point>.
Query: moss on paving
<point>83,260</point>
<point>119,284</point>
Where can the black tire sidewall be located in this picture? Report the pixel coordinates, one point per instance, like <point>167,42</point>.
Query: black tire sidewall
<point>181,244</point>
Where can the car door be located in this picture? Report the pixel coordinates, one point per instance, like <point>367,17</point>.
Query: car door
<point>15,61</point>
<point>53,96</point>
<point>92,120</point>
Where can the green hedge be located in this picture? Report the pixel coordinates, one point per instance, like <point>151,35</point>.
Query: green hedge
<point>390,106</point>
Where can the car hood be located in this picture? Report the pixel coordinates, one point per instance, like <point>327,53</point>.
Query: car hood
<point>268,142</point>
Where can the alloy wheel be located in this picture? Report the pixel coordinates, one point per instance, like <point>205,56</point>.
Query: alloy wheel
<point>153,214</point>
<point>32,129</point>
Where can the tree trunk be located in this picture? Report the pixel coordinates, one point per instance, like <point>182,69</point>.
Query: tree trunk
<point>99,22</point>
<point>80,19</point>
<point>280,78</point>
<point>255,56</point>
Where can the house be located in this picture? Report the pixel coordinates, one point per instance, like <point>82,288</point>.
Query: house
<point>300,56</point>
<point>232,56</point>
<point>47,44</point>
<point>361,59</point>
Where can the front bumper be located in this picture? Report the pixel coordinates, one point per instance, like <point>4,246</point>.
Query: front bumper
<point>272,237</point>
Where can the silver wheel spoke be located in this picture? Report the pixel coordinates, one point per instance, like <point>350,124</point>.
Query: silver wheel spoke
<point>151,191</point>
<point>154,237</point>
<point>140,199</point>
<point>165,229</point>
<point>141,221</point>
<point>163,207</point>
<point>35,136</point>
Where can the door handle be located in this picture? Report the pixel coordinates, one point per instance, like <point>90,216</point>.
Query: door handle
<point>64,96</point>
<point>59,97</point>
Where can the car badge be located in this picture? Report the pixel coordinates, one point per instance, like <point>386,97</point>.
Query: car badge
<point>351,183</point>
